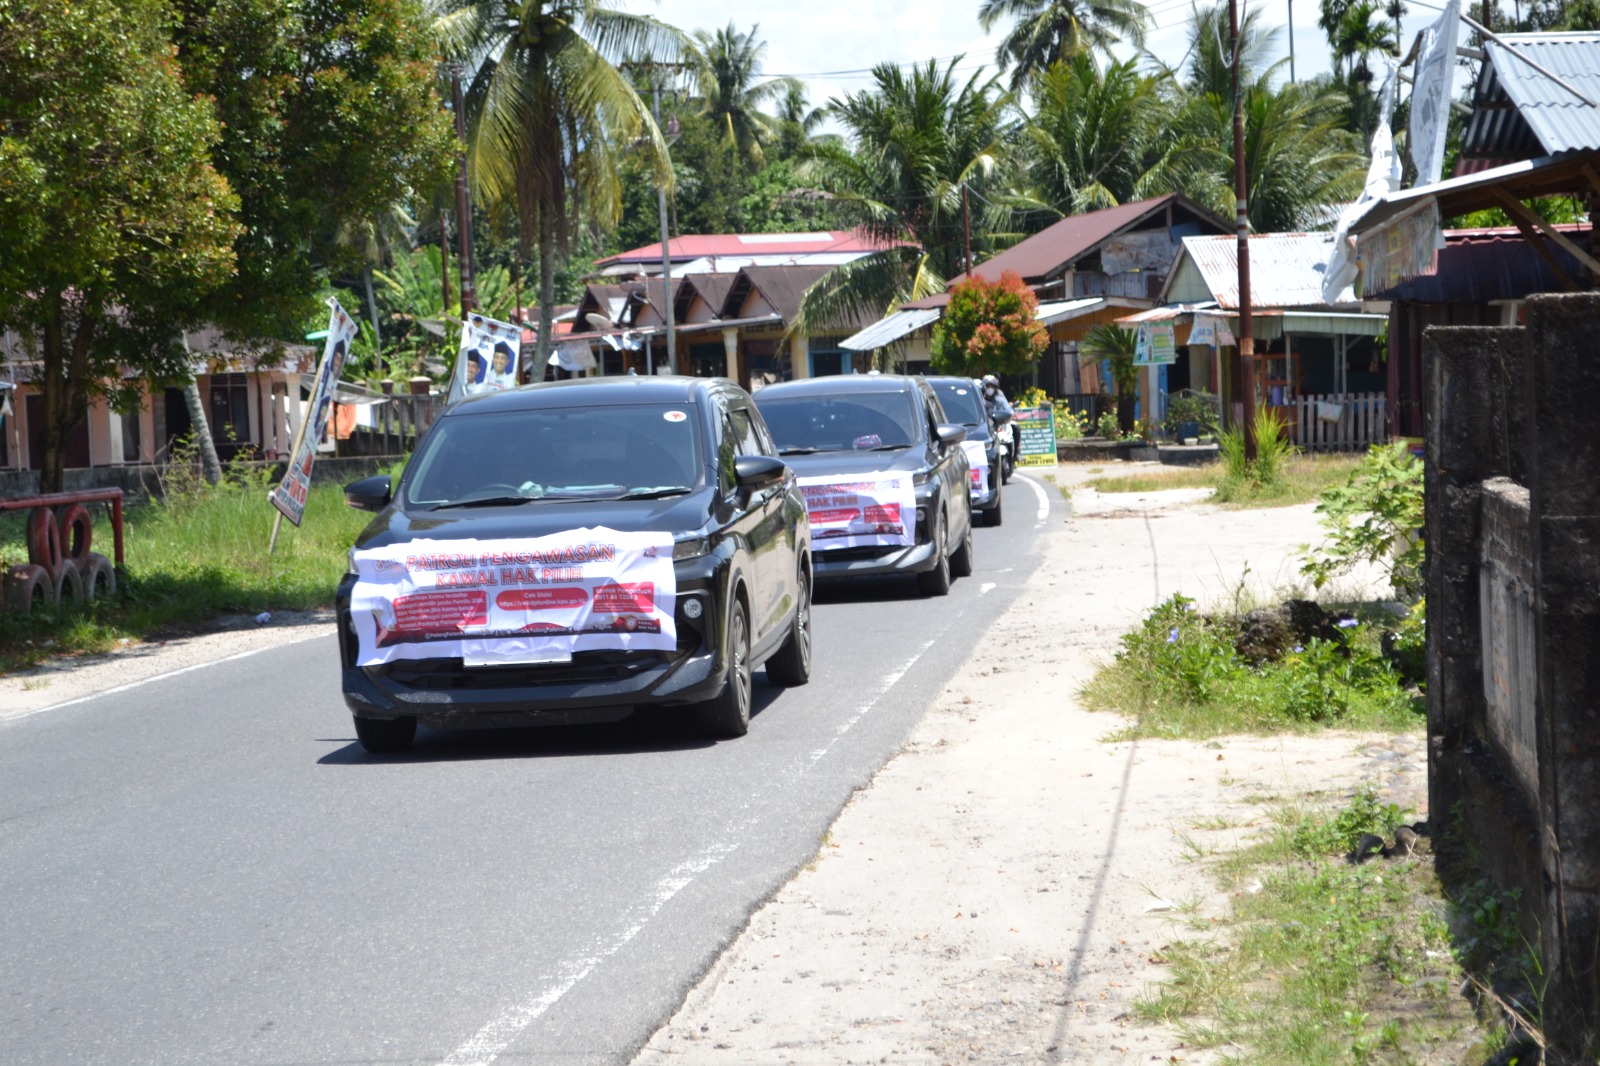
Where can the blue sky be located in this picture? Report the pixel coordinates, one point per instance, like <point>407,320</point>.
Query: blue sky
<point>818,39</point>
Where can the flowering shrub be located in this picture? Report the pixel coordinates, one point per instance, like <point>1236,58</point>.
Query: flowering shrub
<point>989,328</point>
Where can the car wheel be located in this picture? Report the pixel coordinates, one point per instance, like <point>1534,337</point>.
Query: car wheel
<point>727,714</point>
<point>791,665</point>
<point>961,561</point>
<point>936,582</point>
<point>994,516</point>
<point>383,735</point>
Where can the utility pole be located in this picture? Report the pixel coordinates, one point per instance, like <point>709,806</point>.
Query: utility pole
<point>966,229</point>
<point>1241,221</point>
<point>666,251</point>
<point>469,289</point>
<point>444,257</point>
<point>1291,39</point>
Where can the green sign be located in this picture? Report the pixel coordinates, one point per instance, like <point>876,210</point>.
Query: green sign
<point>1036,436</point>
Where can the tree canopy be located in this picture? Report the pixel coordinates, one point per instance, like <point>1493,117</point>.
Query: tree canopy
<point>989,327</point>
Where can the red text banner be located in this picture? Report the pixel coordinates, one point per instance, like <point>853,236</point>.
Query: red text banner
<point>860,510</point>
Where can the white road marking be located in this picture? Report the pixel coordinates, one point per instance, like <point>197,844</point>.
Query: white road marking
<point>157,677</point>
<point>487,1043</point>
<point>1038,490</point>
<point>885,683</point>
<point>986,586</point>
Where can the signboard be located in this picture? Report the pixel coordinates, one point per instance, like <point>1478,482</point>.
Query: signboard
<point>873,510</point>
<point>1407,246</point>
<point>1430,94</point>
<point>515,599</point>
<point>1155,345</point>
<point>1036,436</point>
<point>290,495</point>
<point>978,464</point>
<point>487,359</point>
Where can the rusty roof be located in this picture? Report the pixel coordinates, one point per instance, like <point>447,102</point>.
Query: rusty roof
<point>1482,265</point>
<point>1285,269</point>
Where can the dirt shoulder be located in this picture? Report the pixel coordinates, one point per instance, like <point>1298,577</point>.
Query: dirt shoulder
<point>1002,889</point>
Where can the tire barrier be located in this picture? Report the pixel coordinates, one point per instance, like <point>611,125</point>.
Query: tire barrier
<point>27,587</point>
<point>67,585</point>
<point>99,577</point>
<point>44,538</point>
<point>75,530</point>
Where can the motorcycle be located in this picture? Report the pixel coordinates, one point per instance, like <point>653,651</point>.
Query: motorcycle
<point>1006,435</point>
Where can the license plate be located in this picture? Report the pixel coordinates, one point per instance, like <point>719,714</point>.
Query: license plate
<point>520,658</point>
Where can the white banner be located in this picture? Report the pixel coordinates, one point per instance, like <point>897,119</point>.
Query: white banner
<point>515,600</point>
<point>876,510</point>
<point>1430,94</point>
<point>1155,345</point>
<point>978,461</point>
<point>1204,331</point>
<point>487,359</point>
<point>290,495</point>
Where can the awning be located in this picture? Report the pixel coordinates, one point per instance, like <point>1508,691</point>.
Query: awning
<point>1167,313</point>
<point>717,325</point>
<point>1349,323</point>
<point>889,329</point>
<point>1063,310</point>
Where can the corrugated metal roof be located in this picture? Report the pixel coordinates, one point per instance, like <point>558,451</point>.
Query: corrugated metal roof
<point>1074,237</point>
<point>889,329</point>
<point>703,245</point>
<point>1520,113</point>
<point>1285,269</point>
<point>1479,266</point>
<point>1062,310</point>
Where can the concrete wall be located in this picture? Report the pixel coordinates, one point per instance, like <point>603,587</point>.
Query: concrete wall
<point>1511,441</point>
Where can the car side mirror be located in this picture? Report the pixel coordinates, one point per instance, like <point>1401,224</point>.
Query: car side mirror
<point>950,433</point>
<point>755,472</point>
<point>369,494</point>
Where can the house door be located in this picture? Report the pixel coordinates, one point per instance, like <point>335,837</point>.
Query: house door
<point>77,437</point>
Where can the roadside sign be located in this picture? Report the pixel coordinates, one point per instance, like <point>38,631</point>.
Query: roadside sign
<point>1036,436</point>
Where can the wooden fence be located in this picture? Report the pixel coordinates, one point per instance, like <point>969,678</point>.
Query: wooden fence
<point>398,422</point>
<point>1340,422</point>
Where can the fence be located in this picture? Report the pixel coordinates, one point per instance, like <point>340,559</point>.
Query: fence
<point>393,425</point>
<point>1088,405</point>
<point>1340,422</point>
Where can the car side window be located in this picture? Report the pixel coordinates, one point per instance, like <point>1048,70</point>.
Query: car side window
<point>746,442</point>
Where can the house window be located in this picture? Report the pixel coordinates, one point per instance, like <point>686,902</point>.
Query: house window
<point>827,358</point>
<point>708,360</point>
<point>229,413</point>
<point>130,436</point>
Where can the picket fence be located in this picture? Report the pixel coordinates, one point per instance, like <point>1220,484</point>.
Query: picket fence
<point>1340,422</point>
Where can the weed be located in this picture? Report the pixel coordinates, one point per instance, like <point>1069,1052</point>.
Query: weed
<point>1376,516</point>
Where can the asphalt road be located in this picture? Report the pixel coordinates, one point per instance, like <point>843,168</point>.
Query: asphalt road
<point>208,869</point>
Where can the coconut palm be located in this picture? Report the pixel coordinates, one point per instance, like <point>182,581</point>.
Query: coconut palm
<point>1362,31</point>
<point>550,113</point>
<point>1207,64</point>
<point>1047,31</point>
<point>919,136</point>
<point>1089,140</point>
<point>729,62</point>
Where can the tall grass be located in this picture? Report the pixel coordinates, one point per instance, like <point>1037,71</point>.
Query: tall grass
<point>1263,476</point>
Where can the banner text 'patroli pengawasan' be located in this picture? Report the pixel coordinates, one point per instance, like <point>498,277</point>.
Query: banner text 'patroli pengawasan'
<point>877,510</point>
<point>515,600</point>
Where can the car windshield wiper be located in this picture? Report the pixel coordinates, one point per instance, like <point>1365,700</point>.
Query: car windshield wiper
<point>888,447</point>
<point>655,492</point>
<point>484,501</point>
<point>804,449</point>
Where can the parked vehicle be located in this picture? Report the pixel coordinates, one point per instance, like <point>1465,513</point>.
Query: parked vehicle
<point>575,476</point>
<point>883,473</point>
<point>985,453</point>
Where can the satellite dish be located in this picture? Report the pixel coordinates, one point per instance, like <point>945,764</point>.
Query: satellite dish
<point>599,322</point>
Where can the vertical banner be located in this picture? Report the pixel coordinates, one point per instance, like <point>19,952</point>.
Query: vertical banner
<point>1155,345</point>
<point>1430,93</point>
<point>290,495</point>
<point>487,359</point>
<point>977,467</point>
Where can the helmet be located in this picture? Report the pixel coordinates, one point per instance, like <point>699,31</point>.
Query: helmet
<point>990,381</point>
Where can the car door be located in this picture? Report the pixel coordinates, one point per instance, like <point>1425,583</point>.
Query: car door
<point>950,465</point>
<point>771,551</point>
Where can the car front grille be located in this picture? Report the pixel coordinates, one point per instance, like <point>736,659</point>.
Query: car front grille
<point>585,668</point>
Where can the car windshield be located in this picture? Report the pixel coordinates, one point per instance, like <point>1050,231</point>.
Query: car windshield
<point>565,453</point>
<point>960,400</point>
<point>854,421</point>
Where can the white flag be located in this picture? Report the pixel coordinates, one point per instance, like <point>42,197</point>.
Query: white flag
<point>487,359</point>
<point>1430,95</point>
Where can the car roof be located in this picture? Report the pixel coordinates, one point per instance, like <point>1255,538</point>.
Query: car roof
<point>594,392</point>
<point>948,379</point>
<point>834,384</point>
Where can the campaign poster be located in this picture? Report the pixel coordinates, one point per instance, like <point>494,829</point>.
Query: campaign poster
<point>876,510</point>
<point>978,462</point>
<point>1155,345</point>
<point>515,600</point>
<point>290,495</point>
<point>1036,436</point>
<point>488,357</point>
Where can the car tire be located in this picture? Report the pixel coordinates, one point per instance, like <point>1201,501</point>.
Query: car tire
<point>791,664</point>
<point>381,736</point>
<point>936,582</point>
<point>961,561</point>
<point>993,516</point>
<point>727,714</point>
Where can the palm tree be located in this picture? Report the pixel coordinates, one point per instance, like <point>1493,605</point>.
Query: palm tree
<point>1363,30</point>
<point>1207,64</point>
<point>550,113</point>
<point>798,122</point>
<point>1088,143</point>
<point>919,137</point>
<point>1047,31</point>
<point>1116,346</point>
<point>728,63</point>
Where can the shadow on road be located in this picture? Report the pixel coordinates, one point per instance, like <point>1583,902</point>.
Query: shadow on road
<point>868,589</point>
<point>648,729</point>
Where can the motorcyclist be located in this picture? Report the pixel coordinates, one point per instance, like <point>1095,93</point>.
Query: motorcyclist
<point>1001,414</point>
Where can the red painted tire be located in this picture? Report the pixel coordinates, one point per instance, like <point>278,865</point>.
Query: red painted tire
<point>76,529</point>
<point>99,577</point>
<point>44,538</point>
<point>27,588</point>
<point>67,585</point>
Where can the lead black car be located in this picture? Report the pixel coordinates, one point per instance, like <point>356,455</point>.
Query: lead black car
<point>688,456</point>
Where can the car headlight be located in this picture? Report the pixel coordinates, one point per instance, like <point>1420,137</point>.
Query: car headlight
<point>690,548</point>
<point>920,478</point>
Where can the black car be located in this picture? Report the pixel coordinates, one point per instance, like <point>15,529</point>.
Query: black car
<point>963,402</point>
<point>883,473</point>
<point>521,571</point>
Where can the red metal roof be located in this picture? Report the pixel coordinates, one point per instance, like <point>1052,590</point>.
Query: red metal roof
<point>697,246</point>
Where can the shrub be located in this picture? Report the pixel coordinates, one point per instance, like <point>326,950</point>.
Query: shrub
<point>989,328</point>
<point>1376,516</point>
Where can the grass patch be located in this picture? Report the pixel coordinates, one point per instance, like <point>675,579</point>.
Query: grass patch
<point>1300,479</point>
<point>198,554</point>
<point>1180,674</point>
<point>1321,961</point>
